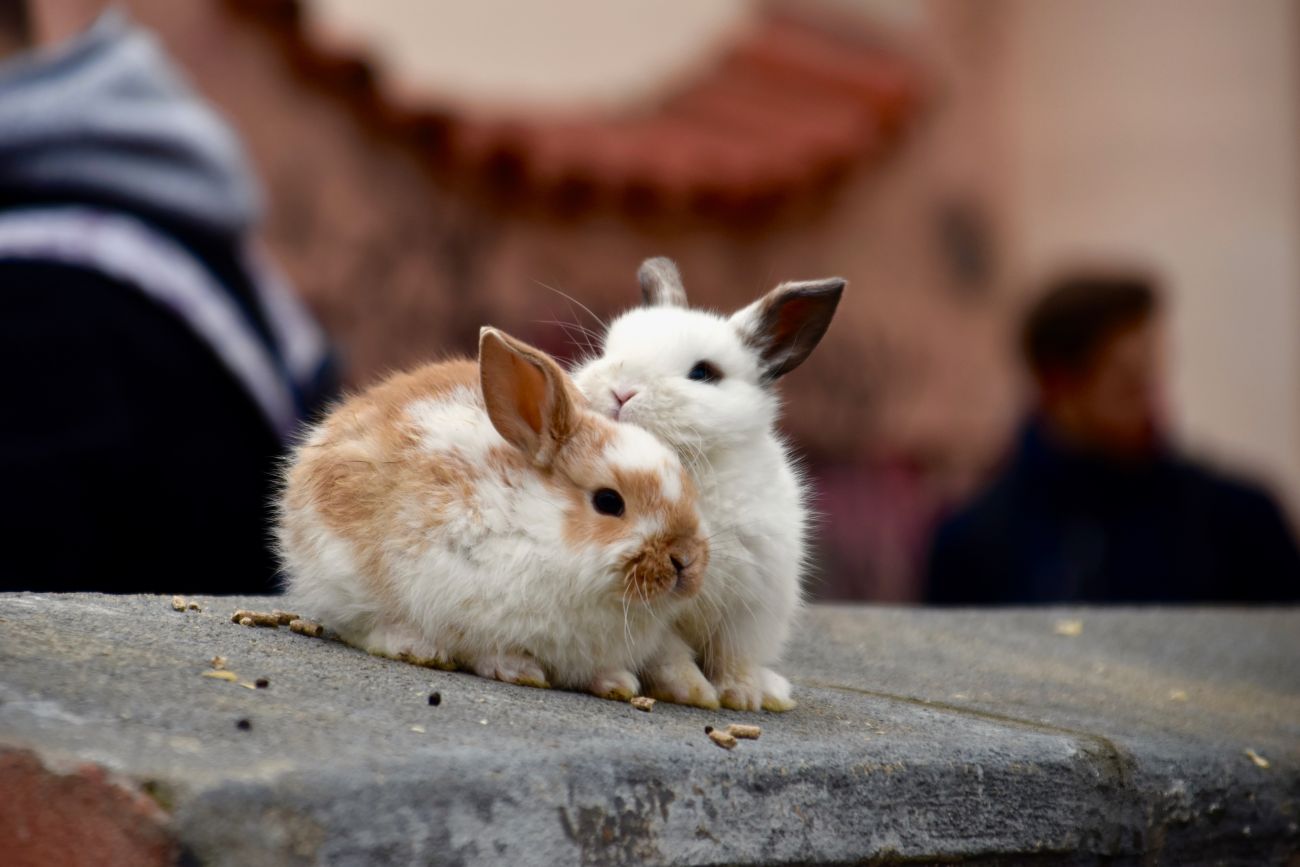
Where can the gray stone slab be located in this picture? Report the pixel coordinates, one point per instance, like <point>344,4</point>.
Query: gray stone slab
<point>983,736</point>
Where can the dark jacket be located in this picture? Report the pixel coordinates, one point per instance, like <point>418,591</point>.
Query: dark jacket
<point>1062,526</point>
<point>156,370</point>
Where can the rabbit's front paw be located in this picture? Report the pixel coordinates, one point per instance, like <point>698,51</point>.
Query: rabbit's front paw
<point>512,667</point>
<point>682,682</point>
<point>615,684</point>
<point>776,691</point>
<point>740,689</point>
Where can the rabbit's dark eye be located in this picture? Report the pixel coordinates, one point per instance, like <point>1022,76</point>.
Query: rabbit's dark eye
<point>704,371</point>
<point>608,501</point>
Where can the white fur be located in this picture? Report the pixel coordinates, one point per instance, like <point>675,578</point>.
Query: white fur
<point>452,425</point>
<point>751,495</point>
<point>494,588</point>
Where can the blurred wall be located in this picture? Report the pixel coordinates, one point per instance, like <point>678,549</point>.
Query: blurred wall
<point>1053,130</point>
<point>1165,132</point>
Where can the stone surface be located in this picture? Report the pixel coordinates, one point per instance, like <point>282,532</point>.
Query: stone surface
<point>988,737</point>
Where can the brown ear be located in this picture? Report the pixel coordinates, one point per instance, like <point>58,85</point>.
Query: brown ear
<point>786,324</point>
<point>661,284</point>
<point>526,394</point>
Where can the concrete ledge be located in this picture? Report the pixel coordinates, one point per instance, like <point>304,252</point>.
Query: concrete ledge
<point>921,736</point>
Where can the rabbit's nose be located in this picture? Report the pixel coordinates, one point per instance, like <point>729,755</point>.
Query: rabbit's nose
<point>623,395</point>
<point>685,582</point>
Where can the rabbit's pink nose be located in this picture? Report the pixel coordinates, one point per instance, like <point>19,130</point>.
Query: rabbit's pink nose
<point>623,395</point>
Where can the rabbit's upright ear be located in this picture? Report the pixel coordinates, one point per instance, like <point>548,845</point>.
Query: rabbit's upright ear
<point>786,324</point>
<point>526,394</point>
<point>661,283</point>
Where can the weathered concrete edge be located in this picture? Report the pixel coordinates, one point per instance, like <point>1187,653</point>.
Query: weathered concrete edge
<point>1089,801</point>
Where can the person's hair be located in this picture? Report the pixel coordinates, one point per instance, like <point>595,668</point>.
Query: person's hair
<point>1071,320</point>
<point>15,24</point>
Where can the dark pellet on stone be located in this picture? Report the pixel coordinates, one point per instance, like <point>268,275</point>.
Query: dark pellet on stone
<point>708,730</point>
<point>262,683</point>
<point>435,699</point>
<point>244,725</point>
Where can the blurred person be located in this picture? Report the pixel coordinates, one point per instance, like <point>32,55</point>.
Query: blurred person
<point>155,366</point>
<point>1094,504</point>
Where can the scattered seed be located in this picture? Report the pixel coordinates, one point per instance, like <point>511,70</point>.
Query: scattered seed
<point>708,730</point>
<point>726,740</point>
<point>1260,761</point>
<point>178,603</point>
<point>435,699</point>
<point>218,662</point>
<point>482,722</point>
<point>193,606</point>
<point>246,685</point>
<point>643,702</point>
<point>262,682</point>
<point>419,730</point>
<point>746,732</point>
<point>1178,695</point>
<point>1069,628</point>
<point>306,627</point>
<point>244,724</point>
<point>222,675</point>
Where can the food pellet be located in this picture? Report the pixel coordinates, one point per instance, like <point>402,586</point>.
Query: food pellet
<point>222,675</point>
<point>258,618</point>
<point>1069,628</point>
<point>726,740</point>
<point>245,621</point>
<point>746,732</point>
<point>218,662</point>
<point>1260,761</point>
<point>435,699</point>
<point>284,617</point>
<point>306,627</point>
<point>193,606</point>
<point>643,702</point>
<point>708,730</point>
<point>178,603</point>
<point>263,683</point>
<point>244,725</point>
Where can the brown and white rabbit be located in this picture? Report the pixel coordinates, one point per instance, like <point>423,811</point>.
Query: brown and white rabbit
<point>481,516</point>
<point>706,385</point>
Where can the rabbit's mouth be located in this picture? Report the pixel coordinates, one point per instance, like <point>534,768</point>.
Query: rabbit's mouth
<point>666,568</point>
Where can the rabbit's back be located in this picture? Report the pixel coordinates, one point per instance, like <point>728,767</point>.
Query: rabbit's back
<point>384,483</point>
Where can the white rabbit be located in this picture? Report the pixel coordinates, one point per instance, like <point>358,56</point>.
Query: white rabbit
<point>480,515</point>
<point>704,383</point>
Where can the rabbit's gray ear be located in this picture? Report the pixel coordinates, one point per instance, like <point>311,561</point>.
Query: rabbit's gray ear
<point>786,324</point>
<point>661,284</point>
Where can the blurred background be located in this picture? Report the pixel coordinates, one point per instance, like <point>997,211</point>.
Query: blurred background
<point>432,165</point>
